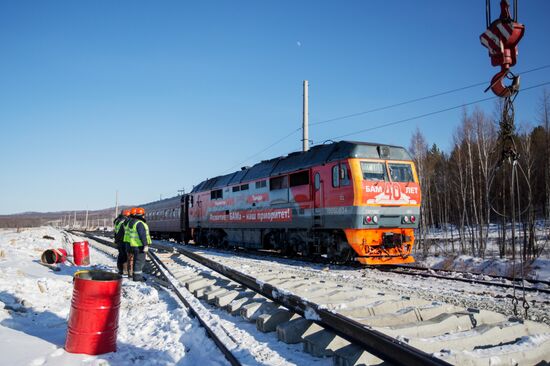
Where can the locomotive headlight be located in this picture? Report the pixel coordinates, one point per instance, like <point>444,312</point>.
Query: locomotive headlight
<point>375,219</point>
<point>413,219</point>
<point>405,219</point>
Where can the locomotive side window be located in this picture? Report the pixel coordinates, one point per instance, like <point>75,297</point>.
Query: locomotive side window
<point>335,176</point>
<point>244,187</point>
<point>217,194</point>
<point>374,171</point>
<point>401,172</point>
<point>299,179</point>
<point>236,188</point>
<point>261,184</point>
<point>278,183</point>
<point>317,181</point>
<point>344,175</point>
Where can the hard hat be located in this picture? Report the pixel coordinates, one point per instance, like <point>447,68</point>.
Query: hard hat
<point>126,212</point>
<point>137,211</point>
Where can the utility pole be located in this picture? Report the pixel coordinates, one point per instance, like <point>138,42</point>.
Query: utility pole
<point>86,225</point>
<point>305,123</point>
<point>74,222</point>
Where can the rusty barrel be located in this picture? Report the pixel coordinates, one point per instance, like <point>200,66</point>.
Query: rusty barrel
<point>93,320</point>
<point>81,253</point>
<point>52,256</point>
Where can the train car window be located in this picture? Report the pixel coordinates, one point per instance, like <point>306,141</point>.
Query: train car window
<point>244,187</point>
<point>278,183</point>
<point>236,188</point>
<point>374,171</point>
<point>401,172</point>
<point>191,201</point>
<point>336,176</point>
<point>261,184</point>
<point>317,181</point>
<point>216,194</point>
<point>299,179</point>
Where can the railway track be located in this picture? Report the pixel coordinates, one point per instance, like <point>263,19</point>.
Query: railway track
<point>529,285</point>
<point>354,325</point>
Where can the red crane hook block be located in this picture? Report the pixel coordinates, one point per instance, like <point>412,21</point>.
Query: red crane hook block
<point>502,38</point>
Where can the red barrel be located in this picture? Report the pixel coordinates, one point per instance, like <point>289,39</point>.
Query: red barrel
<point>51,256</point>
<point>93,321</point>
<point>81,253</point>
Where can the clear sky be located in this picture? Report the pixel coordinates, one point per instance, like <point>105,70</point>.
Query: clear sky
<point>148,97</point>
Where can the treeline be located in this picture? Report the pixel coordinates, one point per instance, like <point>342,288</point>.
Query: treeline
<point>468,205</point>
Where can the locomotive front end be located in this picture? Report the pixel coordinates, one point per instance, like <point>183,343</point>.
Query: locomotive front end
<point>387,197</point>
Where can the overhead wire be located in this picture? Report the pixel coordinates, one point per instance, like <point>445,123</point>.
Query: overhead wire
<point>381,109</point>
<point>378,109</point>
<point>428,114</point>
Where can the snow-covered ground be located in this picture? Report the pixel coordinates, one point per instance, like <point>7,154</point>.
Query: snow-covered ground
<point>35,303</point>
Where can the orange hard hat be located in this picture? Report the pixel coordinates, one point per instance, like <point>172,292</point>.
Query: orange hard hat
<point>126,212</point>
<point>137,211</point>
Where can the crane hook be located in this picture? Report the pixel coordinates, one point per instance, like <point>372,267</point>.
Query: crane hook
<point>498,87</point>
<point>501,39</point>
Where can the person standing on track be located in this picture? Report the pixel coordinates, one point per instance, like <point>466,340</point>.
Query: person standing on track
<point>122,258</point>
<point>137,232</point>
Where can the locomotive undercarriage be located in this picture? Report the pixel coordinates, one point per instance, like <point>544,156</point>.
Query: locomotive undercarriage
<point>330,244</point>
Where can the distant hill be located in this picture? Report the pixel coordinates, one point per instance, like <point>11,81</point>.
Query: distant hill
<point>96,218</point>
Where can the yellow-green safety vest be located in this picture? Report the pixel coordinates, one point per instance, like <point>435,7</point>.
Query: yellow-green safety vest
<point>118,225</point>
<point>133,237</point>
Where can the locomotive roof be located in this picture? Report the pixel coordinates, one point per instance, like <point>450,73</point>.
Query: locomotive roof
<point>317,155</point>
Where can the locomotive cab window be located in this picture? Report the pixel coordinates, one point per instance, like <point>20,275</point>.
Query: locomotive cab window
<point>278,183</point>
<point>244,187</point>
<point>261,184</point>
<point>236,188</point>
<point>401,172</point>
<point>340,175</point>
<point>299,179</point>
<point>374,171</point>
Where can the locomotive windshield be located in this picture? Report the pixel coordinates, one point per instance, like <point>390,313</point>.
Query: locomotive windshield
<point>374,171</point>
<point>401,172</point>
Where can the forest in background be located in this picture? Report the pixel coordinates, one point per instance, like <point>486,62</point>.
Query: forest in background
<point>467,203</point>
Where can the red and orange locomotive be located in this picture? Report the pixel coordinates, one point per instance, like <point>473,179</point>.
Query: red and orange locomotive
<point>341,200</point>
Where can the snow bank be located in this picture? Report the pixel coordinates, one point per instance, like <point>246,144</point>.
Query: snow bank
<point>35,304</point>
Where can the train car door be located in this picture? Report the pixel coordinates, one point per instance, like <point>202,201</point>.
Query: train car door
<point>184,219</point>
<point>318,191</point>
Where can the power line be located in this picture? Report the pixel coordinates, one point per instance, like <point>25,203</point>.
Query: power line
<point>267,148</point>
<point>429,114</point>
<point>378,109</point>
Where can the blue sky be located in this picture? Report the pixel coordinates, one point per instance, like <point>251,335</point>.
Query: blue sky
<point>148,97</point>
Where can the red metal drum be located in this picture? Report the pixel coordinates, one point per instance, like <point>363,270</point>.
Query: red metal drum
<point>93,321</point>
<point>52,256</point>
<point>81,253</point>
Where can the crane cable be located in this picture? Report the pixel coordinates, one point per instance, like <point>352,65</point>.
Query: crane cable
<point>501,38</point>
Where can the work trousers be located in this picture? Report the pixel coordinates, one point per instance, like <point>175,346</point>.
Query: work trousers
<point>122,256</point>
<point>139,262</point>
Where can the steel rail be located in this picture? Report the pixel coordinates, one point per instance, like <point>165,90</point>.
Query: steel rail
<point>403,271</point>
<point>508,278</point>
<point>375,342</point>
<point>224,348</point>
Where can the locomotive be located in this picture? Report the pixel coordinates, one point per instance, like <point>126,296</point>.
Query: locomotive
<point>342,200</point>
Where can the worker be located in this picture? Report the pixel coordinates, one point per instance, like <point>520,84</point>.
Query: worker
<point>139,240</point>
<point>122,258</point>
